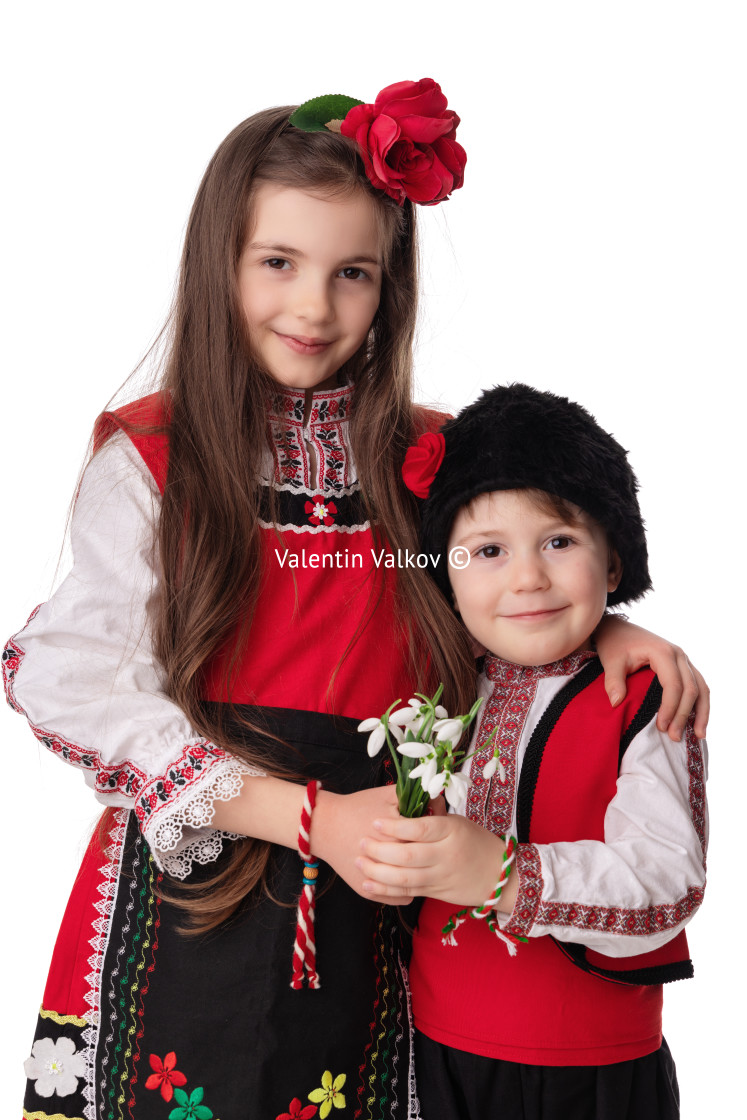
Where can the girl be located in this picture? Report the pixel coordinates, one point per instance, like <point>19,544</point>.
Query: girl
<point>223,629</point>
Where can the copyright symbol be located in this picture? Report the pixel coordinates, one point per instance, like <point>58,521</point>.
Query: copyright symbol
<point>459,556</point>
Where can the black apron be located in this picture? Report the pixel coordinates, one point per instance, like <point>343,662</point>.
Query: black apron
<point>229,1038</point>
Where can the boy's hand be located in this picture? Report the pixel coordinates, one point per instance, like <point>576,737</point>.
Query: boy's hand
<point>623,648</point>
<point>338,824</point>
<point>449,858</point>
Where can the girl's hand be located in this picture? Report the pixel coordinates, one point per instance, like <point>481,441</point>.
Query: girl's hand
<point>449,858</point>
<point>623,648</point>
<point>338,825</point>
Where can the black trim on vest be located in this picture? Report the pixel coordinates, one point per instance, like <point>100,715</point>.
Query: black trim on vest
<point>654,974</point>
<point>536,747</point>
<point>644,715</point>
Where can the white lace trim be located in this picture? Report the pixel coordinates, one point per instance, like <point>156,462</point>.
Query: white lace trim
<point>171,834</point>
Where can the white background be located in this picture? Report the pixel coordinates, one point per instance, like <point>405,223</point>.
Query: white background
<point>598,249</point>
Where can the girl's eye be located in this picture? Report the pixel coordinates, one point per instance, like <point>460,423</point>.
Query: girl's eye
<point>277,263</point>
<point>490,551</point>
<point>559,542</point>
<point>352,273</point>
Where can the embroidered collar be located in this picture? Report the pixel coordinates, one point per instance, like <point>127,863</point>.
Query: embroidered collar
<point>511,675</point>
<point>288,405</point>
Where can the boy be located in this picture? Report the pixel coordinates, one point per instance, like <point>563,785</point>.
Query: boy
<point>535,507</point>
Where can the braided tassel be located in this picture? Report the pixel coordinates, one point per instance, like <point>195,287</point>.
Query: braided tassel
<point>304,948</point>
<point>487,910</point>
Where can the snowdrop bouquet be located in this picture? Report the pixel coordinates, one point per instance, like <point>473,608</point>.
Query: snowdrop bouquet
<point>423,741</point>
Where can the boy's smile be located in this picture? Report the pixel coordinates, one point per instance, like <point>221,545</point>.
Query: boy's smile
<point>309,282</point>
<point>536,585</point>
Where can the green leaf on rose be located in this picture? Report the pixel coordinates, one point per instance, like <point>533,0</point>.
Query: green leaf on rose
<point>314,115</point>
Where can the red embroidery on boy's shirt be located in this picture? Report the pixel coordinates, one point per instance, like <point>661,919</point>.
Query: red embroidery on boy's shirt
<point>491,803</point>
<point>696,772</point>
<point>531,885</point>
<point>618,920</point>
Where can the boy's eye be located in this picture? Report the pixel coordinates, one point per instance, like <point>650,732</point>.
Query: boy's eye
<point>559,542</point>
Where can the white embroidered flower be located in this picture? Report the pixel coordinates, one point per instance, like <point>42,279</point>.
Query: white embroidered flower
<point>55,1066</point>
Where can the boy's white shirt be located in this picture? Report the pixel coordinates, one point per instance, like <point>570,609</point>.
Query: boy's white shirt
<point>651,855</point>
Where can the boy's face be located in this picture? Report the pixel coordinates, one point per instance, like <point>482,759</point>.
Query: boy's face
<point>535,587</point>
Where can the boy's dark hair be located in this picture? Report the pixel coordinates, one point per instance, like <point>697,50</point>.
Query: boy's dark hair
<point>515,437</point>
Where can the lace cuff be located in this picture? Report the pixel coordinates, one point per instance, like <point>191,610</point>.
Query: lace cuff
<point>179,834</point>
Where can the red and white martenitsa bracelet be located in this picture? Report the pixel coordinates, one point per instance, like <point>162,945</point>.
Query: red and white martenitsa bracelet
<point>304,948</point>
<point>488,911</point>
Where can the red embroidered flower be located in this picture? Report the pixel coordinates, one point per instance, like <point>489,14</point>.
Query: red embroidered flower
<point>297,1111</point>
<point>321,512</point>
<point>422,462</point>
<point>165,1076</point>
<point>406,139</point>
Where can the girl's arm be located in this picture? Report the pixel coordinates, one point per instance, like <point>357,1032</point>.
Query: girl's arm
<point>623,648</point>
<point>270,809</point>
<point>83,673</point>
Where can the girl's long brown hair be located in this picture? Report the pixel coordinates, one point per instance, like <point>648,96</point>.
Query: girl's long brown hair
<point>209,535</point>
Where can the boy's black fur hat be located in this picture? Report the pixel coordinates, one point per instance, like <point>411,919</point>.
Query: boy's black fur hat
<point>516,437</point>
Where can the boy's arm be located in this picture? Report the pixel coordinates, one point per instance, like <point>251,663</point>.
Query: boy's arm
<point>636,890</point>
<point>623,648</point>
<point>622,896</point>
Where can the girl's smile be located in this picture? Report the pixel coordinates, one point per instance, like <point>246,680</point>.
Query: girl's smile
<point>309,282</point>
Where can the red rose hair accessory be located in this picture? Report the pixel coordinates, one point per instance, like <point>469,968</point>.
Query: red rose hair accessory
<point>422,462</point>
<point>406,138</point>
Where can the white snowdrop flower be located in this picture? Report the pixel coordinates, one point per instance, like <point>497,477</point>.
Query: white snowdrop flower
<point>448,730</point>
<point>435,785</point>
<point>404,716</point>
<point>501,771</point>
<point>414,750</point>
<point>490,767</point>
<point>376,739</point>
<point>55,1066</point>
<point>456,791</point>
<point>426,771</point>
<point>369,724</point>
<point>441,712</point>
<point>397,732</point>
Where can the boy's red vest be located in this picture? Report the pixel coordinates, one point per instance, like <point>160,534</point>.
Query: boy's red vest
<point>568,778</point>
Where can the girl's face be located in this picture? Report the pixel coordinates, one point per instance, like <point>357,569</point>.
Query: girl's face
<point>534,587</point>
<point>309,282</point>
